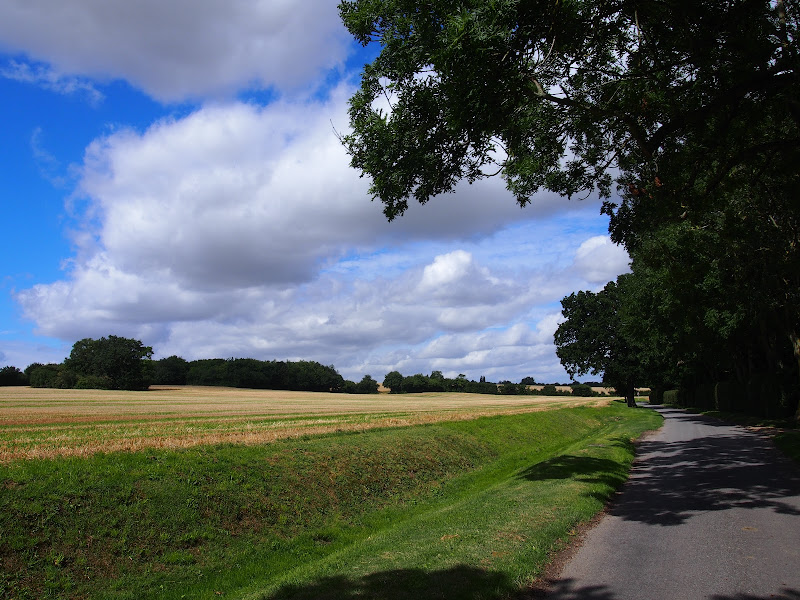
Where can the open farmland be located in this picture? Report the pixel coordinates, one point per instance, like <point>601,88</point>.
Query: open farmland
<point>46,423</point>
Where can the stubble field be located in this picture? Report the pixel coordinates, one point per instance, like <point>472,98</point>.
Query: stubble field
<point>47,423</point>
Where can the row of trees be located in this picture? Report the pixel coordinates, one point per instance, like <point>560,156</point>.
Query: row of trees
<point>257,374</point>
<point>691,113</point>
<point>118,363</point>
<point>437,382</point>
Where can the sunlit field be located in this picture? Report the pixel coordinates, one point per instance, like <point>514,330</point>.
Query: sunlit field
<point>45,423</point>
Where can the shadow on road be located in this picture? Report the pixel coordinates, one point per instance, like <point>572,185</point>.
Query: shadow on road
<point>565,589</point>
<point>785,594</point>
<point>724,469</point>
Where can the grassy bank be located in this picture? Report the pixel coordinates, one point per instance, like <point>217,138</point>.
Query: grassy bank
<point>470,507</point>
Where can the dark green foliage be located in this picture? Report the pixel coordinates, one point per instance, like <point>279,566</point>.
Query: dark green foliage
<point>789,443</point>
<point>43,376</point>
<point>92,382</point>
<point>393,381</point>
<point>367,385</point>
<point>656,396</point>
<point>594,339</point>
<point>313,377</point>
<point>570,92</point>
<point>12,376</point>
<point>172,370</point>
<point>116,363</point>
<point>417,383</point>
<point>550,389</point>
<point>512,389</point>
<point>436,382</point>
<point>210,371</point>
<point>260,374</point>
<point>583,390</point>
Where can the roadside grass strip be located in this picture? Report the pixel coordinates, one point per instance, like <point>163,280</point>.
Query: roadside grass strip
<point>463,509</point>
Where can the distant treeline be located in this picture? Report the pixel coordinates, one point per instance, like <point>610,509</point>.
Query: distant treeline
<point>437,382</point>
<point>303,375</point>
<point>117,363</point>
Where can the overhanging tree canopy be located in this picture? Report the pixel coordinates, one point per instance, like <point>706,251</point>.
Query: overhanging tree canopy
<point>692,109</point>
<point>673,97</point>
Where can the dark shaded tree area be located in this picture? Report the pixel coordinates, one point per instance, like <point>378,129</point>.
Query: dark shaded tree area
<point>251,373</point>
<point>11,375</point>
<point>117,363</point>
<point>436,382</point>
<point>691,111</point>
<point>112,363</point>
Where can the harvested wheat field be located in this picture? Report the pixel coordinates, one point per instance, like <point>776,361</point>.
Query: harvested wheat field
<point>42,423</point>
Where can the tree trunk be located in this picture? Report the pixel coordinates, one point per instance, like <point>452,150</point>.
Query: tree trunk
<point>630,395</point>
<point>795,339</point>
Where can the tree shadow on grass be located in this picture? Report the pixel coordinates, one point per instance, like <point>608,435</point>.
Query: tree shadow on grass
<point>583,468</point>
<point>459,582</point>
<point>586,469</point>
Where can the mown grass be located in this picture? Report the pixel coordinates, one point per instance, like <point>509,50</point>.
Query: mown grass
<point>789,444</point>
<point>467,509</point>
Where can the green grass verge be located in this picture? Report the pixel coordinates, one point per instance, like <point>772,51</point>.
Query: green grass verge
<point>789,444</point>
<point>467,509</point>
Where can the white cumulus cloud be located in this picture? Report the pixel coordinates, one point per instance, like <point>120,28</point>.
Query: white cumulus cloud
<point>181,48</point>
<point>599,260</point>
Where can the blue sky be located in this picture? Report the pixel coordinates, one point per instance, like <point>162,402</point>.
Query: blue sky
<point>170,172</point>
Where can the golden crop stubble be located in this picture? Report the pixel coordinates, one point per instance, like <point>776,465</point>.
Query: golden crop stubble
<point>44,423</point>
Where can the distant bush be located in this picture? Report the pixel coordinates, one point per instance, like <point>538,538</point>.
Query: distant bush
<point>44,376</point>
<point>172,370</point>
<point>367,385</point>
<point>582,389</point>
<point>93,382</point>
<point>12,376</point>
<point>656,396</point>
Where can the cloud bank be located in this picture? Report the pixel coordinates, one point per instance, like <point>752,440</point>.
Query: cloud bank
<point>239,230</point>
<point>182,48</point>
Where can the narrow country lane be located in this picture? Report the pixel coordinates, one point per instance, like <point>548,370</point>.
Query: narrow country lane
<point>711,511</point>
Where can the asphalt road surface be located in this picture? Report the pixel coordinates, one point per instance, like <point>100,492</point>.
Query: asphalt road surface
<point>711,511</point>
